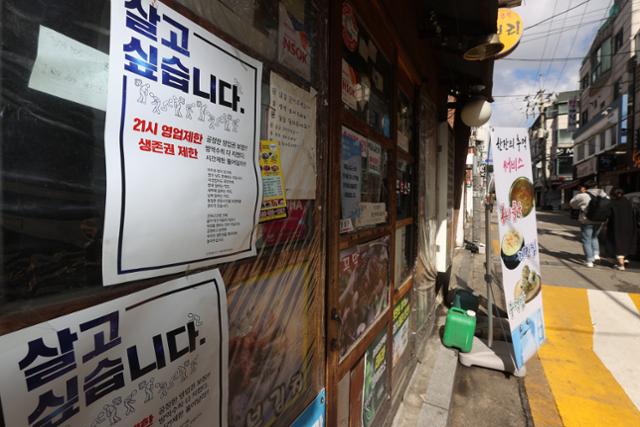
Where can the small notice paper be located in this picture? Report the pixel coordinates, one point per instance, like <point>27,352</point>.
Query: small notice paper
<point>274,203</point>
<point>70,70</point>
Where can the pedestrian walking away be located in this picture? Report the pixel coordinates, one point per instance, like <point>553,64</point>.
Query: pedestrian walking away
<point>587,201</point>
<point>622,229</point>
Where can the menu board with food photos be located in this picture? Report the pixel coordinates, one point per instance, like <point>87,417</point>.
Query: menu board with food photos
<point>270,359</point>
<point>364,288</point>
<point>515,199</point>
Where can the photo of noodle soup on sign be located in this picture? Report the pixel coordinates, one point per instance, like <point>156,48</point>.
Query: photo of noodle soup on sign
<point>523,194</point>
<point>512,242</point>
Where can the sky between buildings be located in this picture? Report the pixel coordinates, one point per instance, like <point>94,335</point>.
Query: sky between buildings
<point>566,36</point>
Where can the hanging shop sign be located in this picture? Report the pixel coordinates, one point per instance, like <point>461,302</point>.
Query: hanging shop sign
<point>375,389</point>
<point>292,122</point>
<point>155,357</point>
<point>515,198</point>
<point>274,201</point>
<point>181,145</point>
<point>587,168</point>
<point>510,30</point>
<point>294,50</point>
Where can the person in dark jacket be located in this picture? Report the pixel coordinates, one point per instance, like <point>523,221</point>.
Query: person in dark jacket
<point>621,229</point>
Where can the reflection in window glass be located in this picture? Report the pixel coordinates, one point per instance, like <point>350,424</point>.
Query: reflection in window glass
<point>405,122</point>
<point>364,192</point>
<point>405,254</point>
<point>366,75</point>
<point>404,189</point>
<point>268,331</point>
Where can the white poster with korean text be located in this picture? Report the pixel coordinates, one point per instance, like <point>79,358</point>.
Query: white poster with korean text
<point>181,145</point>
<point>155,357</point>
<point>292,122</point>
<point>521,279</point>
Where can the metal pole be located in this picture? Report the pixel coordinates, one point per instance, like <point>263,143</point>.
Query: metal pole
<point>487,262</point>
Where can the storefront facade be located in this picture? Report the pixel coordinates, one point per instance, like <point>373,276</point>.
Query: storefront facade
<point>341,288</point>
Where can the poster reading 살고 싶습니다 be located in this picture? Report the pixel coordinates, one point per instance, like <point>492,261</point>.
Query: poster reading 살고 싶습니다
<point>157,357</point>
<point>181,146</point>
<point>518,233</point>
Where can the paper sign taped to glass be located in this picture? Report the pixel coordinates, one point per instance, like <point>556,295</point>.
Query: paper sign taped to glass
<point>274,201</point>
<point>155,357</point>
<point>70,70</point>
<point>292,122</point>
<point>181,145</point>
<point>515,199</point>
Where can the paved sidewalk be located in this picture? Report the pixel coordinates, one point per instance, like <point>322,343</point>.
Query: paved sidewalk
<point>483,397</point>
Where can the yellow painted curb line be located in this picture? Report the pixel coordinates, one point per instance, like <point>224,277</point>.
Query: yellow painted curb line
<point>543,407</point>
<point>585,392</point>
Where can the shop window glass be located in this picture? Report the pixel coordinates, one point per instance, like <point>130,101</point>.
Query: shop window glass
<point>364,289</point>
<point>376,381</point>
<point>405,254</point>
<point>364,192</point>
<point>601,141</point>
<point>269,352</point>
<point>563,108</point>
<point>592,146</point>
<point>612,132</point>
<point>565,166</point>
<point>404,189</point>
<point>53,170</point>
<point>366,74</point>
<point>405,122</point>
<point>279,31</point>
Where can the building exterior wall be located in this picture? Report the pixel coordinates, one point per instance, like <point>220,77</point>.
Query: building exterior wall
<point>552,152</point>
<point>607,101</point>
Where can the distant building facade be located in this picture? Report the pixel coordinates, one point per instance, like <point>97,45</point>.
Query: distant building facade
<point>605,143</point>
<point>552,149</point>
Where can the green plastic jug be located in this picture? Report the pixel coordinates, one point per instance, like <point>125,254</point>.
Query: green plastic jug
<point>459,329</point>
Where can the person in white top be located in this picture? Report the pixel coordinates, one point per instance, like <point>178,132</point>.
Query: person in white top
<point>589,230</point>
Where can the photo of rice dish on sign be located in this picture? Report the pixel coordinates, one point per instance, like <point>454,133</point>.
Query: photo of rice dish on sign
<point>529,284</point>
<point>522,192</point>
<point>512,242</point>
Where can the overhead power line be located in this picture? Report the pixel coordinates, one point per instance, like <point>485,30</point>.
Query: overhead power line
<point>568,58</point>
<point>556,15</point>
<point>544,49</point>
<point>542,34</point>
<point>555,49</point>
<point>525,95</point>
<point>573,43</point>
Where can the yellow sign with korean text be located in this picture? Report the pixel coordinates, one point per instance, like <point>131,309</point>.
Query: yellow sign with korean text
<point>510,30</point>
<point>274,202</point>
